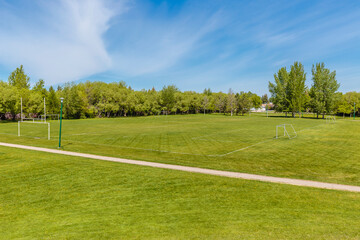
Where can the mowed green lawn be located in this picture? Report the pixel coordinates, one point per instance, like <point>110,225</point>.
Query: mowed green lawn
<point>323,152</point>
<point>46,196</point>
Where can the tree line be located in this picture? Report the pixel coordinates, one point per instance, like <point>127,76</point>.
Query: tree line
<point>98,99</point>
<point>290,94</point>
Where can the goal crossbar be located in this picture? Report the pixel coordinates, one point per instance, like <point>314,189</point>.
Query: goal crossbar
<point>286,133</point>
<point>33,120</point>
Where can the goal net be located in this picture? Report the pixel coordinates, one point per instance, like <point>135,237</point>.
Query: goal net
<point>330,119</point>
<point>49,117</point>
<point>33,120</point>
<point>35,129</point>
<point>285,130</point>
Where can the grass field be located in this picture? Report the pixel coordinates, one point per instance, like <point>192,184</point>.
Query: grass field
<point>323,152</point>
<point>45,196</point>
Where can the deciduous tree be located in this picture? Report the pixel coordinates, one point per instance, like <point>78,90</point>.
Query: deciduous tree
<point>19,79</point>
<point>323,90</point>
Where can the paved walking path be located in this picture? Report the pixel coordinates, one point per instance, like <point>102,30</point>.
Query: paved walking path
<point>296,182</point>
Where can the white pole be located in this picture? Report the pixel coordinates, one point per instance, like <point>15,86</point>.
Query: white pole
<point>21,114</point>
<point>44,109</point>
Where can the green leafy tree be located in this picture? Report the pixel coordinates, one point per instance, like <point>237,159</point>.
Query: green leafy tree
<point>53,102</point>
<point>168,97</point>
<point>307,101</point>
<point>220,102</point>
<point>231,102</point>
<point>194,101</point>
<point>244,102</point>
<point>323,90</point>
<point>288,91</point>
<point>279,90</point>
<point>353,98</point>
<point>40,88</point>
<point>151,102</point>
<point>9,100</point>
<point>344,107</point>
<point>75,101</point>
<point>265,98</point>
<point>256,100</point>
<point>205,102</point>
<point>207,92</point>
<point>19,79</point>
<point>35,105</point>
<point>296,88</point>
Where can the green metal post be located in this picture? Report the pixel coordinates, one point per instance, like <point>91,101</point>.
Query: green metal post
<point>61,99</point>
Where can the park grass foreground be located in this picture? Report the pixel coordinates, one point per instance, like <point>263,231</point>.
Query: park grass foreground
<point>44,195</point>
<point>289,181</point>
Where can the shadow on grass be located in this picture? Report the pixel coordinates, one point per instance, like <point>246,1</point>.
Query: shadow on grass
<point>303,117</point>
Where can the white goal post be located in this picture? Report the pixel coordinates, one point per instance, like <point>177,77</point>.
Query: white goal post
<point>38,120</point>
<point>286,128</point>
<point>330,119</point>
<point>33,122</point>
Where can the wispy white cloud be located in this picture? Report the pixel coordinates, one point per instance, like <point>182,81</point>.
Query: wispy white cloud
<point>64,44</point>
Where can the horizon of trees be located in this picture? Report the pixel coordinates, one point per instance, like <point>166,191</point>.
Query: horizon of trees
<point>99,99</point>
<point>289,92</point>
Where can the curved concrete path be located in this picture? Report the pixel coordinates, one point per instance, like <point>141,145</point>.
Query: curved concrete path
<point>296,182</point>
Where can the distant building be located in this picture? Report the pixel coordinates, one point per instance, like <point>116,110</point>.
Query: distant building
<point>263,107</point>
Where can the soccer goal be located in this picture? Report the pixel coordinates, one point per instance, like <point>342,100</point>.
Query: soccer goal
<point>330,119</point>
<point>32,126</point>
<point>285,130</point>
<point>36,129</point>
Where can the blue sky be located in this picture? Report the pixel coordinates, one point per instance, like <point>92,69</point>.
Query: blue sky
<point>219,44</point>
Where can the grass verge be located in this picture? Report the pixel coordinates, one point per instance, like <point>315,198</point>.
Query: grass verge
<point>48,196</point>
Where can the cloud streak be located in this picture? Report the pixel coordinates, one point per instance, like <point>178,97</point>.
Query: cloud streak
<point>64,44</point>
